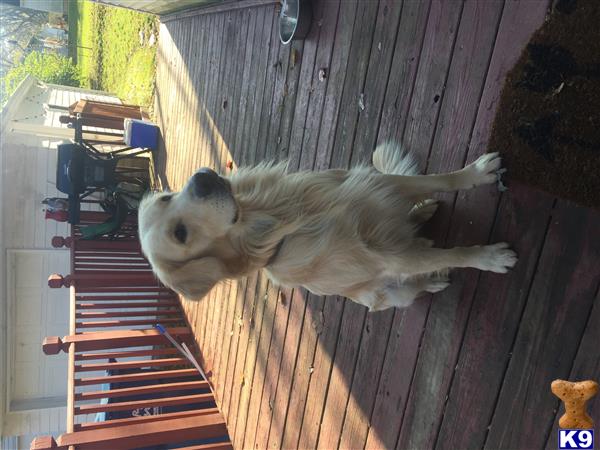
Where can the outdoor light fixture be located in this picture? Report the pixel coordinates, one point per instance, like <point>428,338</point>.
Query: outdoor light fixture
<point>295,19</point>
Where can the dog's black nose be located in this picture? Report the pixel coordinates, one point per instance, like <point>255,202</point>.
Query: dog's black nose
<point>206,181</point>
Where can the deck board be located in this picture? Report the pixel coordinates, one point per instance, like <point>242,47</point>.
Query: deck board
<point>445,322</point>
<point>558,305</point>
<point>522,220</point>
<point>294,370</point>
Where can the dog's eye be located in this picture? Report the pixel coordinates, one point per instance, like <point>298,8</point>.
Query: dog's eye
<point>165,198</point>
<point>180,233</point>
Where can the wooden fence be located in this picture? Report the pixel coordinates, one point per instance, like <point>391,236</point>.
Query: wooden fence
<point>120,367</point>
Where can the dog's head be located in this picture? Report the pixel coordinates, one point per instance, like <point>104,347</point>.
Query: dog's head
<point>184,234</point>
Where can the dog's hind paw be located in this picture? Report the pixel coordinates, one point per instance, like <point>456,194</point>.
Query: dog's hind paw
<point>436,285</point>
<point>497,258</point>
<point>423,211</point>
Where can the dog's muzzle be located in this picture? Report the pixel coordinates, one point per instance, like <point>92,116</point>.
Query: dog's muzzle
<point>207,182</point>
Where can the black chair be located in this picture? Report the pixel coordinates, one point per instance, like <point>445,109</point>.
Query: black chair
<point>79,173</point>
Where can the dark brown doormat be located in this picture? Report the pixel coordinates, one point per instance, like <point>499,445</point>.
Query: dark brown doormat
<point>548,121</point>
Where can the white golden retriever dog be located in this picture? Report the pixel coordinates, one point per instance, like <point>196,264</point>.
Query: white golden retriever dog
<point>344,232</point>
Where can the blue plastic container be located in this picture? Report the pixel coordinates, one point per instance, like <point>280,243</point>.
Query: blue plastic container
<point>140,133</point>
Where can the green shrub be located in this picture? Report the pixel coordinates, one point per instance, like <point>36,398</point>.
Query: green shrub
<point>48,67</point>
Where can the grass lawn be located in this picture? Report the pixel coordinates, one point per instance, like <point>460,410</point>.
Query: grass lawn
<point>105,43</point>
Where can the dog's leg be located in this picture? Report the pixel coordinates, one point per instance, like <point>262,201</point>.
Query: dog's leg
<point>420,259</point>
<point>482,171</point>
<point>392,294</point>
<point>400,294</point>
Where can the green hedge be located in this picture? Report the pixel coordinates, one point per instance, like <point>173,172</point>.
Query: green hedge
<point>48,67</point>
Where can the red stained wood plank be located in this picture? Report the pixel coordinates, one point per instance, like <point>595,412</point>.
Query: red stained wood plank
<point>295,371</point>
<point>586,366</point>
<point>353,316</point>
<point>360,48</point>
<point>125,354</point>
<point>458,106</point>
<point>292,391</point>
<point>270,434</point>
<point>261,407</point>
<point>206,81</point>
<point>366,379</point>
<point>141,390</point>
<point>378,74</point>
<point>272,72</point>
<point>302,99</point>
<point>242,101</point>
<point>225,341</point>
<point>258,68</point>
<point>232,85</point>
<point>150,296</point>
<point>211,157</point>
<point>344,363</point>
<point>141,419</point>
<point>249,319</point>
<point>315,84</point>
<point>250,109</point>
<point>436,54</point>
<point>111,314</point>
<point>229,368</point>
<point>108,305</point>
<point>132,364</point>
<point>402,346</point>
<point>104,340</point>
<point>134,377</point>
<point>173,92</point>
<point>193,126</point>
<point>376,329</point>
<point>496,312</point>
<point>147,433</point>
<point>124,323</point>
<point>325,329</point>
<point>220,151</point>
<point>336,75</point>
<point>230,95</point>
<point>483,352</point>
<point>217,446</point>
<point>269,356</point>
<point>209,349</point>
<point>256,363</point>
<point>234,347</point>
<point>550,330</point>
<point>315,57</point>
<point>147,403</point>
<point>281,92</point>
<point>153,290</point>
<point>246,357</point>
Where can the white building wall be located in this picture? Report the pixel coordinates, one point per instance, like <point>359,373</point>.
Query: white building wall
<point>27,176</point>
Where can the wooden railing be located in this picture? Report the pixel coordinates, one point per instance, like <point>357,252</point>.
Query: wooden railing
<point>120,365</point>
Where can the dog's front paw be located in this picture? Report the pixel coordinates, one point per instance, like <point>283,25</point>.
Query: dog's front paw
<point>483,170</point>
<point>497,258</point>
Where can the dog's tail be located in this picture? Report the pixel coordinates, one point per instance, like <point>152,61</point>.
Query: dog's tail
<point>389,158</point>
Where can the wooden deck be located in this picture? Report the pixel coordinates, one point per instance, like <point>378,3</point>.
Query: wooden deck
<point>469,367</point>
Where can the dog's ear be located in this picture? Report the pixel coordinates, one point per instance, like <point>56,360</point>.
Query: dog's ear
<point>195,278</point>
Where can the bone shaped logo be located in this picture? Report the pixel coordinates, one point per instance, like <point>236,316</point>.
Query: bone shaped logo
<point>575,395</point>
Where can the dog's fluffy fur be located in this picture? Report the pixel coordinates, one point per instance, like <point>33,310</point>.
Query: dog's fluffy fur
<point>345,232</point>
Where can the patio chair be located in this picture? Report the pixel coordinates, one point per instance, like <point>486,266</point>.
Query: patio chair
<point>81,172</point>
